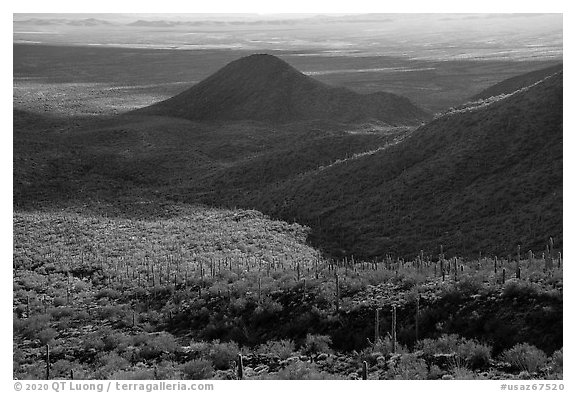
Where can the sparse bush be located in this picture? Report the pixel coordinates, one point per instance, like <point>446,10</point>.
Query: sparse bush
<point>474,354</point>
<point>115,341</point>
<point>385,346</point>
<point>408,366</point>
<point>223,354</point>
<point>300,371</point>
<point>556,363</point>
<point>108,293</point>
<point>93,342</point>
<point>283,348</point>
<point>469,285</point>
<point>109,363</point>
<point>470,352</point>
<point>134,375</point>
<point>111,313</point>
<point>47,335</point>
<point>30,327</point>
<point>464,373</point>
<point>447,343</point>
<point>198,369</point>
<point>158,345</point>
<point>315,344</point>
<point>61,368</point>
<point>517,288</point>
<point>435,372</point>
<point>525,357</point>
<point>199,348</point>
<point>61,312</point>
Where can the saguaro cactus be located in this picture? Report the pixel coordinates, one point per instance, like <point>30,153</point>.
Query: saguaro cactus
<point>417,316</point>
<point>47,361</point>
<point>240,368</point>
<point>364,370</point>
<point>337,294</point>
<point>377,325</point>
<point>394,329</point>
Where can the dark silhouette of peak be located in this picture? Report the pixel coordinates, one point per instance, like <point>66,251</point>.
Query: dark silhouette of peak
<point>264,60</point>
<point>265,88</point>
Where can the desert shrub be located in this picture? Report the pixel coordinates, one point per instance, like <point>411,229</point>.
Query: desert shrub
<point>93,341</point>
<point>435,372</point>
<point>315,344</point>
<point>408,367</point>
<point>109,363</point>
<point>134,375</point>
<point>115,341</point>
<point>167,370</point>
<point>474,354</point>
<point>108,293</point>
<point>111,313</point>
<point>47,335</point>
<point>463,373</point>
<point>199,348</point>
<point>61,312</point>
<point>158,345</point>
<point>30,327</point>
<point>447,343</point>
<point>556,365</point>
<point>516,288</point>
<point>61,369</point>
<point>300,371</point>
<point>470,352</point>
<point>283,348</point>
<point>556,360</point>
<point>469,285</point>
<point>198,369</point>
<point>223,354</point>
<point>525,357</point>
<point>385,346</point>
<point>59,302</point>
<point>382,347</point>
<point>269,306</point>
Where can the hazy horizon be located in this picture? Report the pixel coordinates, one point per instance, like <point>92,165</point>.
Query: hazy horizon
<point>414,36</point>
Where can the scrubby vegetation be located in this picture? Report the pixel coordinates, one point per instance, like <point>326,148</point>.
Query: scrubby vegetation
<point>183,296</point>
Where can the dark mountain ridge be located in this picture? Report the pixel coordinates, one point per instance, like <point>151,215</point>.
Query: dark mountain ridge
<point>518,82</point>
<point>265,88</point>
<point>484,180</point>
